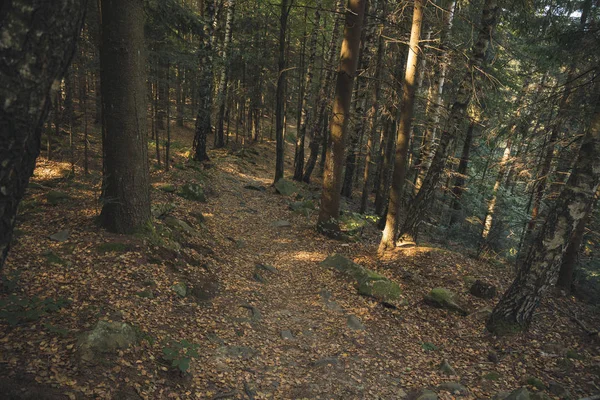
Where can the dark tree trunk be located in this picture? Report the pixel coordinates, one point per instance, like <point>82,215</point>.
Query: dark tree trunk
<point>179,93</point>
<point>332,180</point>
<point>43,36</point>
<point>123,64</point>
<point>222,90</point>
<point>461,175</point>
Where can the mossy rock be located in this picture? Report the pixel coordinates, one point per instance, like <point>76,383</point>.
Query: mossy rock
<point>180,288</point>
<point>446,299</point>
<point>179,225</point>
<point>369,283</point>
<point>192,191</point>
<point>492,376</point>
<point>146,294</point>
<point>285,187</point>
<point>106,337</point>
<point>519,394</point>
<point>162,209</point>
<point>55,197</point>
<point>535,382</point>
<point>167,187</point>
<point>302,207</point>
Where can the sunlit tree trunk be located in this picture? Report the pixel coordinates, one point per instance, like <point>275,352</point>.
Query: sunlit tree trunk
<point>306,99</point>
<point>222,89</point>
<point>316,134</point>
<point>334,163</point>
<point>462,99</point>
<point>123,64</point>
<point>540,267</point>
<point>286,6</point>
<point>205,88</point>
<point>489,217</point>
<point>43,36</point>
<point>407,108</point>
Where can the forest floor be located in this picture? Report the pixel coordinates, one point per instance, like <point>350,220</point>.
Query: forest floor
<point>296,331</point>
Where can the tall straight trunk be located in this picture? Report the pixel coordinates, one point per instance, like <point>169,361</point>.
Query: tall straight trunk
<point>462,99</point>
<point>168,120</point>
<point>222,90</point>
<point>84,94</point>
<point>376,94</point>
<point>286,6</point>
<point>42,39</point>
<point>407,106</point>
<point>489,217</point>
<point>157,120</point>
<point>360,105</point>
<point>162,77</point>
<point>541,266</point>
<point>327,222</point>
<point>123,65</point>
<point>205,88</point>
<point>306,99</point>
<point>569,259</point>
<point>316,134</point>
<point>179,95</point>
<point>461,175</point>
<point>434,98</point>
<point>386,162</point>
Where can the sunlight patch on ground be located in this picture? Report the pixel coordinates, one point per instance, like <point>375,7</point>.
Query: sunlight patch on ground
<point>309,256</point>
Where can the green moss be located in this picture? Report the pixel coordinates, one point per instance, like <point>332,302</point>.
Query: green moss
<point>535,382</point>
<point>167,187</point>
<point>492,376</point>
<point>192,191</point>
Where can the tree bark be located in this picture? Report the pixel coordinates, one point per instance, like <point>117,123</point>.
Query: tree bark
<point>123,64</point>
<point>42,43</point>
<point>407,106</point>
<point>330,199</point>
<point>222,89</point>
<point>541,266</point>
<point>459,183</point>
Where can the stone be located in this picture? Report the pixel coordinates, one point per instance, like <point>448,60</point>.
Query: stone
<point>285,187</point>
<point>255,187</point>
<point>236,351</point>
<point>444,298</point>
<point>287,334</point>
<point>192,191</point>
<point>61,236</point>
<point>54,197</point>
<point>146,294</point>
<point>354,323</point>
<point>179,225</point>
<point>426,394</point>
<point>454,388</point>
<point>259,278</point>
<point>180,288</point>
<point>518,394</point>
<point>105,338</point>
<point>481,314</point>
<point>558,390</point>
<point>540,396</point>
<point>160,210</point>
<point>255,314</point>
<point>401,394</point>
<point>167,188</point>
<point>281,224</point>
<point>492,376</point>
<point>205,290</point>
<point>369,283</point>
<point>446,369</point>
<point>535,382</point>
<point>302,206</point>
<point>267,267</point>
<point>326,361</point>
<point>493,357</point>
<point>483,290</point>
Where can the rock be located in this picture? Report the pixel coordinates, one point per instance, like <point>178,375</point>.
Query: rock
<point>254,312</point>
<point>401,394</point>
<point>255,187</point>
<point>454,388</point>
<point>236,351</point>
<point>354,323</point>
<point>146,294</point>
<point>287,334</point>
<point>518,394</point>
<point>492,376</point>
<point>167,187</point>
<point>444,298</point>
<point>493,357</point>
<point>281,224</point>
<point>192,191</point>
<point>426,394</point>
<point>267,267</point>
<point>180,225</point>
<point>205,290</point>
<point>160,210</point>
<point>240,243</point>
<point>61,236</point>
<point>540,396</point>
<point>483,290</point>
<point>105,338</point>
<point>180,288</point>
<point>55,197</point>
<point>558,390</point>
<point>258,277</point>
<point>501,395</point>
<point>369,283</point>
<point>446,369</point>
<point>302,207</point>
<point>285,187</point>
<point>535,382</point>
<point>482,314</point>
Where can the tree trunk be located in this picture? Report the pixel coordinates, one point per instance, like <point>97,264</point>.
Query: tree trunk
<point>330,199</point>
<point>43,36</point>
<point>459,182</point>
<point>316,133</point>
<point>179,95</point>
<point>205,88</point>
<point>489,217</point>
<point>222,90</point>
<point>418,207</point>
<point>306,99</point>
<point>541,266</point>
<point>286,6</point>
<point>407,106</point>
<point>123,65</point>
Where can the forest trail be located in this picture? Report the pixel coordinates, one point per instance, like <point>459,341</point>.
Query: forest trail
<point>296,331</point>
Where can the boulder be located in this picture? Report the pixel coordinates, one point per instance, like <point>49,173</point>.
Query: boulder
<point>192,191</point>
<point>483,290</point>
<point>281,224</point>
<point>180,288</point>
<point>482,314</point>
<point>558,390</point>
<point>518,394</point>
<point>179,225</point>
<point>166,187</point>
<point>354,323</point>
<point>105,338</point>
<point>302,206</point>
<point>60,236</point>
<point>286,334</point>
<point>285,187</point>
<point>256,187</point>
<point>454,388</point>
<point>369,283</point>
<point>444,298</point>
<point>446,369</point>
<point>426,394</point>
